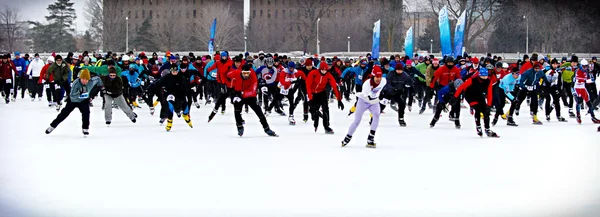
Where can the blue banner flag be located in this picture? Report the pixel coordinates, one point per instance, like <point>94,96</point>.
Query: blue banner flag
<point>445,40</point>
<point>376,32</point>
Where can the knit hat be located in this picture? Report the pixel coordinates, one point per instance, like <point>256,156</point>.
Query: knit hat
<point>483,72</point>
<point>435,61</point>
<point>172,57</point>
<point>474,60</point>
<point>323,66</point>
<point>308,62</point>
<point>574,59</point>
<point>85,74</point>
<point>408,62</point>
<point>537,65</point>
<point>553,61</point>
<point>377,72</point>
<point>291,65</point>
<point>534,57</point>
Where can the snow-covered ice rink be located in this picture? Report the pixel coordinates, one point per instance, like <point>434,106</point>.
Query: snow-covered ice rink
<point>140,170</point>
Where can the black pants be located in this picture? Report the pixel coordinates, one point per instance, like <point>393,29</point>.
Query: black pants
<point>555,94</point>
<point>290,98</point>
<point>35,88</point>
<point>501,102</point>
<point>84,108</point>
<point>320,101</point>
<point>480,107</point>
<point>178,104</point>
<point>454,111</point>
<point>50,91</point>
<point>592,90</point>
<point>523,94</point>
<point>252,103</point>
<point>277,97</point>
<point>399,98</point>
<point>134,92</point>
<point>66,86</point>
<point>302,96</point>
<point>195,93</point>
<point>221,101</point>
<point>567,94</point>
<point>429,92</point>
<point>210,89</point>
<point>22,83</point>
<point>6,87</point>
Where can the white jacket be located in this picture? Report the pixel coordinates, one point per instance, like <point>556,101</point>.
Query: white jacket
<point>371,94</point>
<point>35,68</point>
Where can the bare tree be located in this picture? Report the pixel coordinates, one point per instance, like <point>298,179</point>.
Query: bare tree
<point>230,30</point>
<point>94,15</point>
<point>480,14</point>
<point>113,27</point>
<point>172,31</point>
<point>9,27</point>
<point>310,11</point>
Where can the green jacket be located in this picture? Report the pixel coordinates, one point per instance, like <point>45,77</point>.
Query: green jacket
<point>101,70</point>
<point>422,67</point>
<point>567,73</point>
<point>60,72</point>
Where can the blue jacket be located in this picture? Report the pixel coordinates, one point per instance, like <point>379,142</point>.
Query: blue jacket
<point>266,76</point>
<point>212,75</point>
<point>394,64</point>
<point>357,72</point>
<point>132,79</point>
<point>446,92</point>
<point>507,84</point>
<point>21,65</point>
<point>530,80</point>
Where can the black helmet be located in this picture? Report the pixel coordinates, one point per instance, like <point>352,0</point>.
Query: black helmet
<point>499,65</point>
<point>449,59</point>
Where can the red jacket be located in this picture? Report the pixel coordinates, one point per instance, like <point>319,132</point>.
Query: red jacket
<point>316,83</point>
<point>286,79</point>
<point>443,75</point>
<point>246,86</point>
<point>526,66</point>
<point>5,69</point>
<point>222,70</point>
<point>475,86</point>
<point>43,74</point>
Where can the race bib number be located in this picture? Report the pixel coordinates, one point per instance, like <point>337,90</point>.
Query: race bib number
<point>530,88</point>
<point>284,92</point>
<point>19,68</point>
<point>84,95</point>
<point>46,86</point>
<point>170,98</point>
<point>194,89</point>
<point>497,75</point>
<point>360,77</point>
<point>56,86</point>
<point>8,81</point>
<point>213,74</point>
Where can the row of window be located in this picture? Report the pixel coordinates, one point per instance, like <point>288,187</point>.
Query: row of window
<point>292,2</point>
<point>157,2</point>
<point>290,15</point>
<point>142,15</point>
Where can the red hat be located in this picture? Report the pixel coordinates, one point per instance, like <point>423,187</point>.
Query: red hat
<point>308,62</point>
<point>474,60</point>
<point>323,66</point>
<point>435,60</point>
<point>142,54</point>
<point>145,61</point>
<point>408,62</point>
<point>322,58</point>
<point>377,72</point>
<point>537,65</point>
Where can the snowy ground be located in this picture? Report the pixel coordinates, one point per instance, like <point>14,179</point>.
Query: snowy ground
<point>140,170</point>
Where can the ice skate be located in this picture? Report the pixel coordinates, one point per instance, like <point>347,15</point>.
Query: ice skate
<point>495,121</point>
<point>596,121</point>
<point>329,131</point>
<point>240,130</point>
<point>536,121</point>
<point>571,114</point>
<point>271,133</point>
<point>409,108</point>
<point>86,133</point>
<point>152,111</point>
<point>479,132</point>
<point>401,122</point>
<point>197,105</point>
<point>346,140</point>
<point>188,120</point>
<point>49,130</point>
<point>212,115</point>
<point>161,121</point>
<point>371,140</point>
<point>291,120</point>
<point>491,133</point>
<point>352,110</point>
<point>457,124</point>
<point>169,125</point>
<point>305,117</point>
<point>511,122</point>
<point>108,123</point>
<point>561,119</point>
<point>433,121</point>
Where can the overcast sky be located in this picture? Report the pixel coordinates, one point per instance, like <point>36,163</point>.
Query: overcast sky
<point>35,10</point>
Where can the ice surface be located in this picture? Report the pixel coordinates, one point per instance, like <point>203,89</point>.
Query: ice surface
<point>140,170</point>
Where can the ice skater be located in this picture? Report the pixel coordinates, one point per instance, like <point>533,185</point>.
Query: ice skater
<point>83,88</point>
<point>368,99</point>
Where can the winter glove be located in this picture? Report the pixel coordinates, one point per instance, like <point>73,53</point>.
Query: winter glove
<point>340,105</point>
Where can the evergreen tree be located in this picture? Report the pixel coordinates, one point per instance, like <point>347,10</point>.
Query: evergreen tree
<point>57,34</point>
<point>88,41</point>
<point>143,40</point>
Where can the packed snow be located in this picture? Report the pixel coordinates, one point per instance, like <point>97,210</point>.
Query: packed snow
<point>140,169</point>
